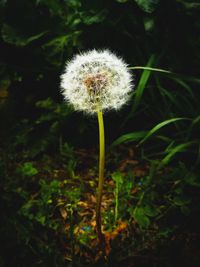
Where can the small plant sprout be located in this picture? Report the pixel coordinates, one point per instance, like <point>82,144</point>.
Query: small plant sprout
<point>95,82</point>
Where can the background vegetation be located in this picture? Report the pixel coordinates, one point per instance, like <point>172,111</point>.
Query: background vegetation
<point>48,152</point>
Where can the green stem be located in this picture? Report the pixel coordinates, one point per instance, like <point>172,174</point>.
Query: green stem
<point>101,176</point>
<point>116,201</point>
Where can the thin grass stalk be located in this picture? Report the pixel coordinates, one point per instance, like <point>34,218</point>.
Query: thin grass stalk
<point>116,201</point>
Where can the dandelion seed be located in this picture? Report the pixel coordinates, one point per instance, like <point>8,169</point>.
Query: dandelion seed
<point>96,80</point>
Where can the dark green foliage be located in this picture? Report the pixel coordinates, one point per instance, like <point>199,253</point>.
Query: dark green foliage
<point>155,194</point>
<point>27,169</point>
<point>48,152</point>
<point>31,224</point>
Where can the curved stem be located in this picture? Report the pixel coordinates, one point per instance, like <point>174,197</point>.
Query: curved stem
<point>101,176</point>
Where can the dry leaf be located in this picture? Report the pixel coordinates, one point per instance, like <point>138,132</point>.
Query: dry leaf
<point>63,213</point>
<point>112,235</point>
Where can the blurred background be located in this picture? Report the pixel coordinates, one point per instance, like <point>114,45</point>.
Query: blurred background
<point>49,152</point>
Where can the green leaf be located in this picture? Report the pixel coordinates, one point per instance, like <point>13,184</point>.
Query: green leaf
<point>141,218</point>
<point>13,36</point>
<point>46,104</point>
<point>117,177</point>
<point>195,121</point>
<point>55,184</point>
<point>27,169</point>
<point>55,48</point>
<point>149,24</point>
<point>159,126</point>
<point>180,200</point>
<point>41,219</point>
<point>150,211</point>
<point>192,5</point>
<point>58,42</point>
<point>147,5</point>
<point>169,74</point>
<point>142,83</point>
<point>94,17</point>
<point>130,137</point>
<point>151,69</point>
<point>173,151</point>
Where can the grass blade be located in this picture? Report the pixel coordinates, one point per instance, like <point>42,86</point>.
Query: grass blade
<point>159,126</point>
<point>130,137</point>
<point>177,149</point>
<point>170,74</point>
<point>142,83</point>
<point>149,69</point>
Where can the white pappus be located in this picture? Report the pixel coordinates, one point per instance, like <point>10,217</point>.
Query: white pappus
<point>96,81</point>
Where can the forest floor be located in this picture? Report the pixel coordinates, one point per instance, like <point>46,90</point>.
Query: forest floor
<point>67,188</point>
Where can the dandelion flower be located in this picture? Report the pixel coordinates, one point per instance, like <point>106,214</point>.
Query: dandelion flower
<point>96,80</point>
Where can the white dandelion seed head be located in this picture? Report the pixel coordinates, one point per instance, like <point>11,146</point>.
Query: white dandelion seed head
<point>96,80</point>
